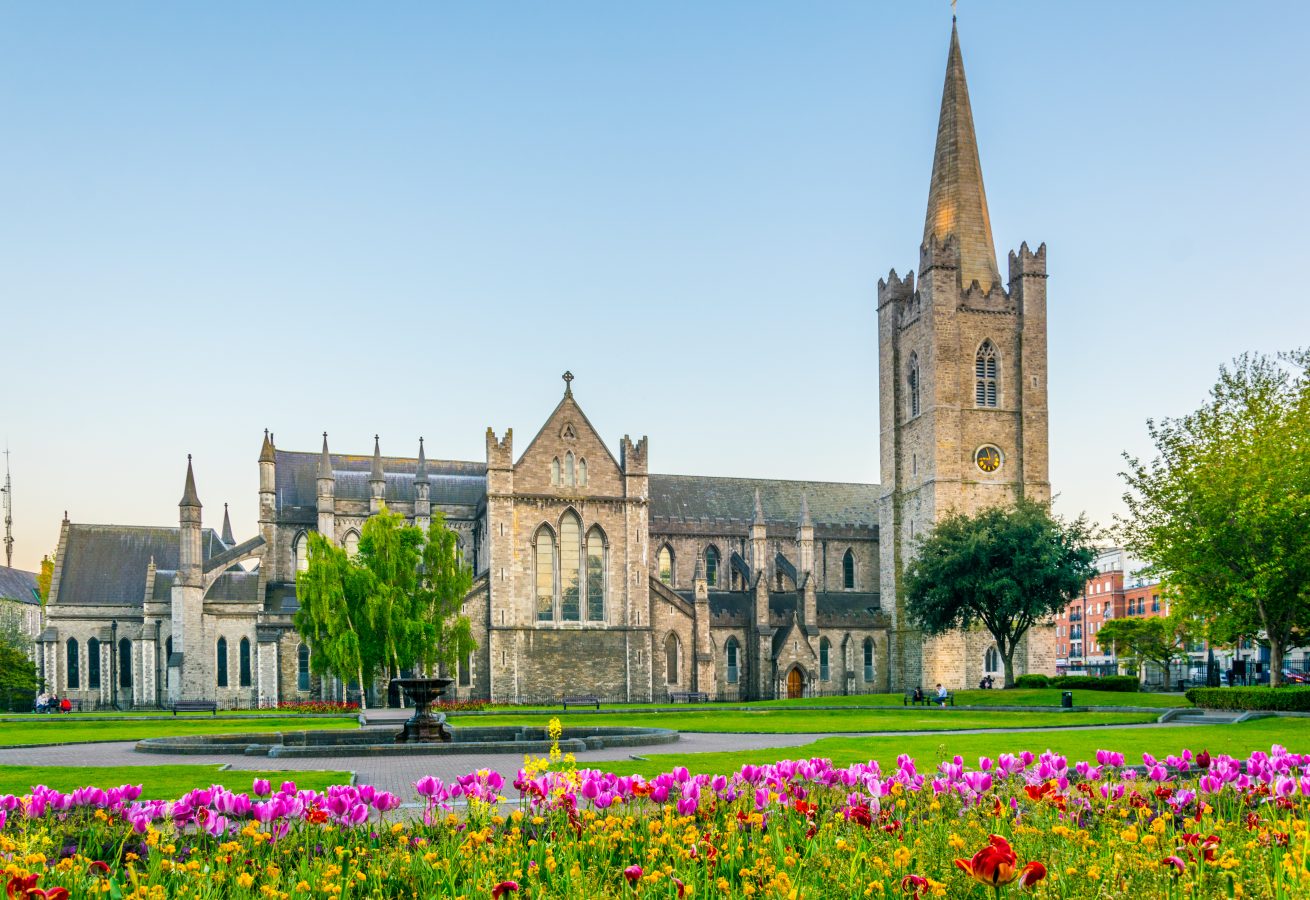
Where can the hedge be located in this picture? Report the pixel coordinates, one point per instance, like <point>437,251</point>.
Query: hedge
<point>1032,681</point>
<point>1280,699</point>
<point>1122,683</point>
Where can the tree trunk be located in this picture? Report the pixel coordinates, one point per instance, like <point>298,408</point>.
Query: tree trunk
<point>1008,659</point>
<point>1165,667</point>
<point>363,691</point>
<point>1276,649</point>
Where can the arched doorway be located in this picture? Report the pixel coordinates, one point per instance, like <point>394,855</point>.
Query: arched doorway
<point>795,684</point>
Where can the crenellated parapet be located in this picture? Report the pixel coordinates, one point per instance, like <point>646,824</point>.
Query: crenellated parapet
<point>1027,264</point>
<point>632,457</point>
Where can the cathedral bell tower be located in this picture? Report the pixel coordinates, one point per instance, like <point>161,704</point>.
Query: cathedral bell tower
<point>962,391</point>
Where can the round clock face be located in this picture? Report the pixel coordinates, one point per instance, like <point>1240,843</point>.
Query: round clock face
<point>988,458</point>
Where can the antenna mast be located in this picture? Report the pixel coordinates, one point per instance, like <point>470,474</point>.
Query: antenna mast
<point>8,491</point>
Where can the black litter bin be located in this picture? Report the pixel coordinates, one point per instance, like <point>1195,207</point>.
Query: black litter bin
<point>1066,700</point>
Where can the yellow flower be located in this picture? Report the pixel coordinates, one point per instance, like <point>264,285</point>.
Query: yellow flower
<point>245,879</point>
<point>901,856</point>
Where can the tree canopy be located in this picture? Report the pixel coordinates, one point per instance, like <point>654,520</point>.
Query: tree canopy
<point>1223,510</point>
<point>1004,568</point>
<point>1160,640</point>
<point>392,608</point>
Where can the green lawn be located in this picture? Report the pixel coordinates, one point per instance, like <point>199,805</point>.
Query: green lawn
<point>1015,697</point>
<point>1236,740</point>
<point>69,730</point>
<point>774,720</point>
<point>158,782</point>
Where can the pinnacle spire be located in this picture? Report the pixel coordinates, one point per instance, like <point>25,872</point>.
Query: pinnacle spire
<point>266,453</point>
<point>375,473</point>
<point>759,509</point>
<point>189,496</point>
<point>957,203</point>
<point>805,510</point>
<point>699,574</point>
<point>325,461</point>
<point>227,529</point>
<point>421,470</point>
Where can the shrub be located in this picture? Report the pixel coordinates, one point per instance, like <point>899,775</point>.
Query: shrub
<point>317,706</point>
<point>1122,683</point>
<point>1032,681</point>
<point>1281,699</point>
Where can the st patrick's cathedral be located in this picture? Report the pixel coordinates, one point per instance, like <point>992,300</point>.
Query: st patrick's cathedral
<point>592,574</point>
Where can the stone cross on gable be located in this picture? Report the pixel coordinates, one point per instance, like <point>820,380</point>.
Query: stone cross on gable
<point>568,382</point>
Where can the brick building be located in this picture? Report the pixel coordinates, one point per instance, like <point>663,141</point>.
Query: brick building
<point>594,575</point>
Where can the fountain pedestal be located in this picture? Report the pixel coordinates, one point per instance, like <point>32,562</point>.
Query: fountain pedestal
<point>424,727</point>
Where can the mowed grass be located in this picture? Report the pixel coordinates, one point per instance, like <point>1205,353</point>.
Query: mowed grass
<point>68,730</point>
<point>775,720</point>
<point>157,782</point>
<point>927,750</point>
<point>1015,697</point>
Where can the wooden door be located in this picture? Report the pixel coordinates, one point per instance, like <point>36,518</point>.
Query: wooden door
<point>795,684</point>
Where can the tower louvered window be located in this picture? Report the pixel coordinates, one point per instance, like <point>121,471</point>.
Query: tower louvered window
<point>914,384</point>
<point>985,378</point>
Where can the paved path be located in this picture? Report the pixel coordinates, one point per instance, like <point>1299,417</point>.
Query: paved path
<point>398,773</point>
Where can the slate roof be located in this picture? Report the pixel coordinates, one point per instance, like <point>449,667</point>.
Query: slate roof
<point>454,483</point>
<point>106,564</point>
<point>16,584</point>
<point>836,609</point>
<point>234,586</point>
<point>687,497</point>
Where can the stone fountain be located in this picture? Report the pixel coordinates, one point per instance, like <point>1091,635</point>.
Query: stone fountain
<point>424,727</point>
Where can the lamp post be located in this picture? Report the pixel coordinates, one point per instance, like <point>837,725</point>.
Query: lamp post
<point>113,661</point>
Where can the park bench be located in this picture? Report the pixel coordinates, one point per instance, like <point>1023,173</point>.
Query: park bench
<point>929,699</point>
<point>581,701</point>
<point>195,706</point>
<point>688,697</point>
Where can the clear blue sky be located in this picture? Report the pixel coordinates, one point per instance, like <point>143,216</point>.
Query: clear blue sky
<point>411,218</point>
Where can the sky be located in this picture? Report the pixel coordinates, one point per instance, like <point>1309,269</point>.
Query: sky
<point>409,219</point>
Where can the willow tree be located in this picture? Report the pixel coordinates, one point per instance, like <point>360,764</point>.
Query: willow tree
<point>1223,510</point>
<point>394,606</point>
<point>1004,568</point>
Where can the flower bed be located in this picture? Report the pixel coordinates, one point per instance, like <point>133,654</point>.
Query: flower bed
<point>317,706</point>
<point>1186,826</point>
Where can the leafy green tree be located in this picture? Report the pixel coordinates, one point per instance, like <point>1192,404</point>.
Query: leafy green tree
<point>394,607</point>
<point>44,577</point>
<point>18,681</point>
<point>1005,568</point>
<point>1224,508</point>
<point>1158,640</point>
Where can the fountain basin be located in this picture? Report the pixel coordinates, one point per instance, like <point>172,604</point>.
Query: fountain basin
<point>470,740</point>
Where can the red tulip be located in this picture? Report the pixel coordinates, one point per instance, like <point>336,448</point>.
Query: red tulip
<point>993,865</point>
<point>505,887</point>
<point>914,885</point>
<point>19,887</point>
<point>632,873</point>
<point>1176,862</point>
<point>1030,874</point>
<point>98,868</point>
<point>1203,759</point>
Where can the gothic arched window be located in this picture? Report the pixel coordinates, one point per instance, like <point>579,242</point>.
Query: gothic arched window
<point>351,543</point>
<point>733,670</point>
<point>712,566</point>
<point>848,570</point>
<point>124,663</point>
<point>570,474</point>
<point>570,568</point>
<point>665,564</point>
<point>992,660</point>
<point>300,552</point>
<point>302,668</point>
<point>582,472</point>
<point>914,384</point>
<point>554,471</point>
<point>596,574</point>
<point>93,663</point>
<point>74,676</point>
<point>221,660</point>
<point>244,657</point>
<point>825,648</point>
<point>671,659</point>
<point>545,575</point>
<point>986,381</point>
<point>868,659</point>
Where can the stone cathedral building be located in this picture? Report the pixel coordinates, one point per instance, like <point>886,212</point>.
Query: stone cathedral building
<point>594,575</point>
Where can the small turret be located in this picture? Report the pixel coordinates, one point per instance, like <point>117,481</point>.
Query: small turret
<point>808,583</point>
<point>190,500</point>
<point>189,555</point>
<point>422,499</point>
<point>266,454</point>
<point>227,529</point>
<point>377,481</point>
<point>760,563</point>
<point>327,485</point>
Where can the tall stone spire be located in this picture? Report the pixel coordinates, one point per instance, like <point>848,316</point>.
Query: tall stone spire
<point>421,470</point>
<point>227,529</point>
<point>375,473</point>
<point>957,203</point>
<point>325,461</point>
<point>377,481</point>
<point>189,496</point>
<point>266,453</point>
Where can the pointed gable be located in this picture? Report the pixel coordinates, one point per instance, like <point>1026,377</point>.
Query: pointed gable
<point>568,431</point>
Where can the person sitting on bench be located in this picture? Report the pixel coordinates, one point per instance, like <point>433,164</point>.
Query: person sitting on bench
<point>941,696</point>
<point>65,705</point>
<point>918,695</point>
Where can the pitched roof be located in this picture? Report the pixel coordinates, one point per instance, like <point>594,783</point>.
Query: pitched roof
<point>17,584</point>
<point>106,564</point>
<point>957,203</point>
<point>454,483</point>
<point>683,497</point>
